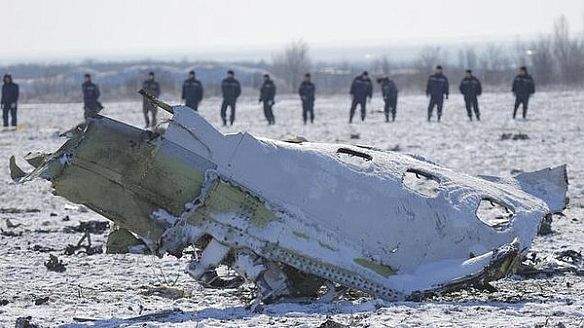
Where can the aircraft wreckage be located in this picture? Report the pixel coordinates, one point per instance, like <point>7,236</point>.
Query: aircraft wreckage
<point>299,219</point>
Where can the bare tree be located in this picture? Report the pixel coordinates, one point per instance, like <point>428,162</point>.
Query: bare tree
<point>493,62</point>
<point>541,59</point>
<point>292,63</point>
<point>382,65</point>
<point>569,52</point>
<point>467,58</point>
<point>429,57</point>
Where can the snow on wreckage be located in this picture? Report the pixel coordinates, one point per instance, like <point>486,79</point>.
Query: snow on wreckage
<point>293,217</point>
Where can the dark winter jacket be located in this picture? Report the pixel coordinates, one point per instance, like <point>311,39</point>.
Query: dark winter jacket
<point>361,88</point>
<point>523,86</point>
<point>90,95</point>
<point>152,87</point>
<point>388,89</point>
<point>437,85</point>
<point>9,93</point>
<point>192,90</point>
<point>307,91</point>
<point>471,87</point>
<point>268,91</point>
<point>230,88</point>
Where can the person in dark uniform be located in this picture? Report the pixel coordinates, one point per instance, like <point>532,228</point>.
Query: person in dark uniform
<point>9,101</point>
<point>91,104</point>
<point>267,96</point>
<point>307,92</point>
<point>361,88</point>
<point>192,91</point>
<point>152,87</point>
<point>389,93</point>
<point>471,88</point>
<point>437,89</point>
<point>523,88</point>
<point>231,90</point>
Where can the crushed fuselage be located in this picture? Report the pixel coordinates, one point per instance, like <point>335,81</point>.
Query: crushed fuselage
<point>294,216</point>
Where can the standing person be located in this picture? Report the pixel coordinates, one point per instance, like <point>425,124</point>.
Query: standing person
<point>9,101</point>
<point>152,87</point>
<point>471,88</point>
<point>307,92</point>
<point>437,89</point>
<point>361,88</point>
<point>523,88</point>
<point>389,93</point>
<point>192,91</point>
<point>231,90</point>
<point>267,96</point>
<point>91,104</point>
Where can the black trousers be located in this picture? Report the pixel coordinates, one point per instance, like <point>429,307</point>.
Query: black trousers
<point>390,106</point>
<point>268,113</point>
<point>438,102</point>
<point>192,104</point>
<point>308,110</point>
<point>363,104</point>
<point>521,101</point>
<point>472,104</point>
<point>6,111</point>
<point>147,108</point>
<point>231,104</point>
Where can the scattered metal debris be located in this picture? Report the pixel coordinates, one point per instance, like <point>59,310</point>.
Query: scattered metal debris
<point>10,233</point>
<point>332,324</point>
<point>25,322</point>
<point>41,300</point>
<point>42,249</point>
<point>514,136</point>
<point>12,210</point>
<point>166,292</point>
<point>566,261</point>
<point>81,248</point>
<point>94,227</point>
<point>54,264</point>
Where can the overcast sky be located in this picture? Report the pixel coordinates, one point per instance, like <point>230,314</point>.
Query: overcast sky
<point>77,28</point>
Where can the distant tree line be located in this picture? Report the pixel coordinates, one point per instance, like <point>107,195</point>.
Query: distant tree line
<point>555,60</point>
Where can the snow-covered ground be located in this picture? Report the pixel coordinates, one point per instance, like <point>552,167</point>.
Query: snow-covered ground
<point>120,290</point>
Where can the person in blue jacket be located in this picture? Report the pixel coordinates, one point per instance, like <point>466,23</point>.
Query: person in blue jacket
<point>231,90</point>
<point>192,91</point>
<point>267,96</point>
<point>471,88</point>
<point>437,89</point>
<point>9,101</point>
<point>523,88</point>
<point>307,91</point>
<point>389,93</point>
<point>91,104</point>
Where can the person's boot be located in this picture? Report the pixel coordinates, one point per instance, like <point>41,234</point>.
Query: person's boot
<point>470,118</point>
<point>224,122</point>
<point>478,117</point>
<point>439,117</point>
<point>386,118</point>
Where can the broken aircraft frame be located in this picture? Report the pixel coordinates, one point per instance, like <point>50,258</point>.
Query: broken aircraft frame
<point>292,217</point>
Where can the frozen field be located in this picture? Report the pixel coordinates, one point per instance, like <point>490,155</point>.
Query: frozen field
<point>120,290</point>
